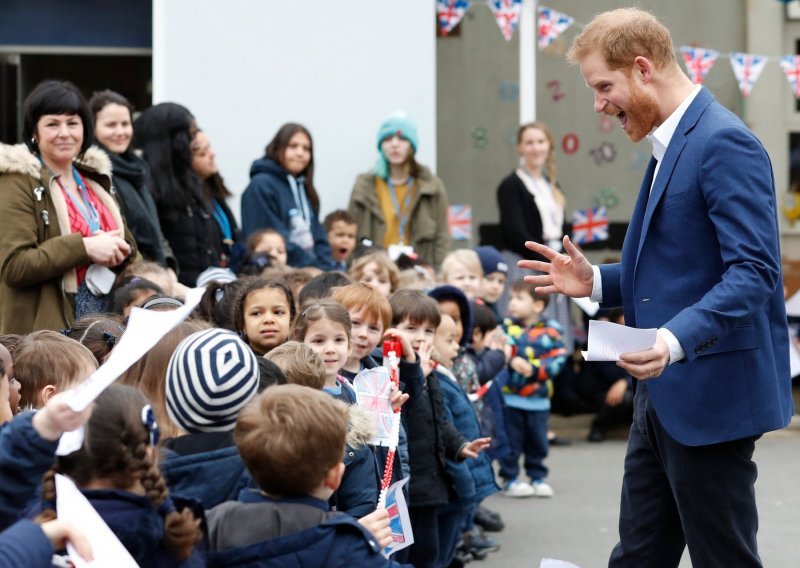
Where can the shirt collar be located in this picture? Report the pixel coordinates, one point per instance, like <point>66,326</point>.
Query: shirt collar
<point>661,136</point>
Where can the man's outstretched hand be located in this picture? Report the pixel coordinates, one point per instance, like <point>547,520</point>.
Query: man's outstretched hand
<point>570,274</point>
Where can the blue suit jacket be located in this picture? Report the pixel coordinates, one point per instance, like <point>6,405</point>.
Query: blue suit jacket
<point>701,258</point>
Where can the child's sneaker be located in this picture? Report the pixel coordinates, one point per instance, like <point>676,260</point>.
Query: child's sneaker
<point>516,488</point>
<point>542,489</point>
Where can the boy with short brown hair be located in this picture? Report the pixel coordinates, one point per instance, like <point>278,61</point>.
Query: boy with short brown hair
<point>342,233</point>
<point>47,362</point>
<point>299,363</point>
<point>291,439</point>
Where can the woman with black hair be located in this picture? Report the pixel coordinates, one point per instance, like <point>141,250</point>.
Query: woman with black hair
<point>215,193</point>
<point>165,133</point>
<point>60,227</point>
<point>113,129</point>
<point>281,196</point>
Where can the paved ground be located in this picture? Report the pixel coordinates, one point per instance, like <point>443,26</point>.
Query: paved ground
<point>580,523</point>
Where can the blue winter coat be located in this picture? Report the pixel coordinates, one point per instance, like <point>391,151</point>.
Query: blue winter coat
<point>138,526</point>
<point>288,535</point>
<point>24,458</point>
<point>266,203</point>
<point>474,477</point>
<point>211,476</point>
<point>25,544</point>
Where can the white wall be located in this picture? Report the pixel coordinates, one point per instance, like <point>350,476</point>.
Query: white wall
<point>244,67</point>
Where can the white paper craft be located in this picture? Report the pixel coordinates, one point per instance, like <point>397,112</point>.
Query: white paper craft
<point>74,508</point>
<point>552,563</point>
<point>145,329</point>
<point>70,442</point>
<point>399,521</point>
<point>373,391</point>
<point>607,340</point>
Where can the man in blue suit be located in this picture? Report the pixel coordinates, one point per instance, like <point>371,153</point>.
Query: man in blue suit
<point>700,262</point>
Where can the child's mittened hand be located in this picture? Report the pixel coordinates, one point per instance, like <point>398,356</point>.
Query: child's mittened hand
<point>476,446</point>
<point>57,417</point>
<point>59,533</point>
<point>377,523</point>
<point>397,398</point>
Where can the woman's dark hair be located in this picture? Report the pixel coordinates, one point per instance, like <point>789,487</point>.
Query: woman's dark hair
<point>252,285</point>
<point>55,97</point>
<point>277,148</point>
<point>115,448</point>
<point>164,134</point>
<point>101,99</point>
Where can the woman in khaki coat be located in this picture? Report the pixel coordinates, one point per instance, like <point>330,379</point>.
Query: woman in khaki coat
<point>401,202</point>
<point>59,220</point>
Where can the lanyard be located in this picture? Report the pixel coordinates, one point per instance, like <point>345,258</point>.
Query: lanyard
<point>85,206</point>
<point>402,216</point>
<point>222,221</point>
<point>299,195</point>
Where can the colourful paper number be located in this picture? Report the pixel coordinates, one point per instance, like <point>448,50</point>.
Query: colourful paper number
<point>555,87</point>
<point>570,143</point>
<point>605,152</point>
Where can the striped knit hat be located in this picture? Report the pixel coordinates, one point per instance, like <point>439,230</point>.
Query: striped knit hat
<point>211,376</point>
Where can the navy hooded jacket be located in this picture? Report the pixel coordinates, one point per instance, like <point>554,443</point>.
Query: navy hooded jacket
<point>266,203</point>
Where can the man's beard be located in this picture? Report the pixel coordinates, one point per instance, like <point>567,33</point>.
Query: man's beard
<point>642,113</point>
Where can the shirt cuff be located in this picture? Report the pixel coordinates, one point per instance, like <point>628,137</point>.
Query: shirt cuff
<point>597,286</point>
<point>676,352</point>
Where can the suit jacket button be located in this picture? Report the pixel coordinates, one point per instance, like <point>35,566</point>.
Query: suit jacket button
<point>697,350</point>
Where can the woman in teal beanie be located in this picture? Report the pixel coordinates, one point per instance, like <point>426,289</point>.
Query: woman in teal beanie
<point>400,202</point>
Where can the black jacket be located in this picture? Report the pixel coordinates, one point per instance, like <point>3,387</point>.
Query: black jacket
<point>431,440</point>
<point>130,177</point>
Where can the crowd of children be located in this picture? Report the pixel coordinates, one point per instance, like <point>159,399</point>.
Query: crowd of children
<point>239,440</point>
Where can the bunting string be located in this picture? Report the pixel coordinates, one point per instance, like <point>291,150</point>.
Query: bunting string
<point>551,24</point>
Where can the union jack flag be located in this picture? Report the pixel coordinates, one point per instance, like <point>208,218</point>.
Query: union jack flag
<point>459,218</point>
<point>450,13</point>
<point>551,25</point>
<point>747,67</point>
<point>373,388</point>
<point>590,225</point>
<point>698,62</point>
<point>791,67</point>
<point>506,12</point>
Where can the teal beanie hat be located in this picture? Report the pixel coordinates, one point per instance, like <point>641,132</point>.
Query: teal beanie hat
<point>396,123</point>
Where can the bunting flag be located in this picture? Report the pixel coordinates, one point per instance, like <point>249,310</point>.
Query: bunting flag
<point>747,67</point>
<point>590,225</point>
<point>551,25</point>
<point>506,12</point>
<point>698,62</point>
<point>450,13</point>
<point>791,67</point>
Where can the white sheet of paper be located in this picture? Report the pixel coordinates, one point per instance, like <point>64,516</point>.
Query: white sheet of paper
<point>74,508</point>
<point>70,442</point>
<point>145,329</point>
<point>589,307</point>
<point>552,563</point>
<point>608,340</point>
<point>793,305</point>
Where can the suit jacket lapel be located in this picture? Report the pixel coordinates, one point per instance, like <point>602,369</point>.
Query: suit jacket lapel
<point>676,145</point>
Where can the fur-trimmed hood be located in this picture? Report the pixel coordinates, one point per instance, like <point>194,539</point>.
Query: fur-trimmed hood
<point>18,159</point>
<point>361,430</point>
